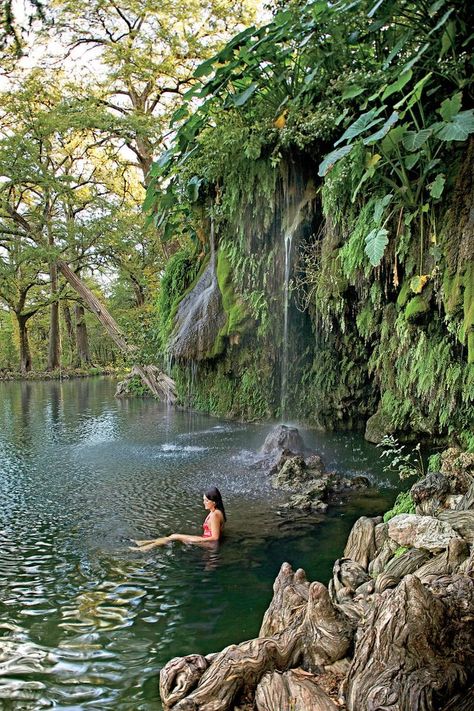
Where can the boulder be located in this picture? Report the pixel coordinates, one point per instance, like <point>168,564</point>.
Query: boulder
<point>315,464</point>
<point>377,427</point>
<point>292,475</point>
<point>421,532</point>
<point>283,437</point>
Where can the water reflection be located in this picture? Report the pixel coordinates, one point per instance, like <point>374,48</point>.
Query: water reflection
<point>85,622</point>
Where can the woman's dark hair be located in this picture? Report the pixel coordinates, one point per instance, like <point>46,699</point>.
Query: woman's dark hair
<point>213,494</point>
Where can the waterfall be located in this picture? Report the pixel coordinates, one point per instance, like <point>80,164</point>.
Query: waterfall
<point>288,239</point>
<point>297,208</point>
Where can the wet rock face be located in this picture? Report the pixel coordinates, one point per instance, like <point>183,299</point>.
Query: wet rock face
<point>199,318</point>
<point>283,437</point>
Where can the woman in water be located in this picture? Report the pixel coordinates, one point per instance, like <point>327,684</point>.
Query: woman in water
<point>213,526</point>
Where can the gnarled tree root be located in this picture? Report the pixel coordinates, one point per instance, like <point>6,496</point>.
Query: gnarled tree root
<point>317,633</point>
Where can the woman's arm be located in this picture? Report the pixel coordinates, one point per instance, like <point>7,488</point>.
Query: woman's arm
<point>215,526</point>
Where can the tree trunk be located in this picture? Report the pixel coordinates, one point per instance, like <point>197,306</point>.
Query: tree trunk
<point>405,659</point>
<point>97,308</point>
<point>82,338</point>
<point>54,343</point>
<point>159,384</point>
<point>293,690</point>
<point>25,354</point>
<point>70,333</point>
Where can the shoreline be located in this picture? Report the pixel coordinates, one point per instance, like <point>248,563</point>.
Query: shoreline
<point>62,374</point>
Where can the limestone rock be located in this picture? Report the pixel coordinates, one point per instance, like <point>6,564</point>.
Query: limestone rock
<point>458,467</point>
<point>421,532</point>
<point>283,437</point>
<point>377,427</point>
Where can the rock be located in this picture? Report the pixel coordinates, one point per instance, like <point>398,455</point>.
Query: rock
<point>306,502</point>
<point>198,319</point>
<point>377,427</point>
<point>274,464</point>
<point>315,464</point>
<point>421,532</point>
<point>345,482</point>
<point>292,474</point>
<point>429,493</point>
<point>283,437</point>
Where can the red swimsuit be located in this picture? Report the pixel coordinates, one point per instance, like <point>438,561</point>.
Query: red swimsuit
<point>207,533</point>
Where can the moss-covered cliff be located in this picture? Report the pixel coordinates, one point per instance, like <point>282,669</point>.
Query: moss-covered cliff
<point>342,274</point>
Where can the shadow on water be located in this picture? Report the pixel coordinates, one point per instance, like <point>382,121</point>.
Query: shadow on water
<point>86,623</point>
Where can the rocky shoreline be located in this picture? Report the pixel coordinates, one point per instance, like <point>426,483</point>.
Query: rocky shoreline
<point>394,628</point>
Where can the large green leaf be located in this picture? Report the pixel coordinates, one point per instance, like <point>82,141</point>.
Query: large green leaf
<point>363,123</point>
<point>378,135</point>
<point>459,128</point>
<point>352,91</point>
<point>450,107</point>
<point>332,158</point>
<point>244,96</point>
<point>437,186</point>
<point>375,244</point>
<point>192,188</point>
<point>398,85</point>
<point>380,206</point>
<point>413,140</point>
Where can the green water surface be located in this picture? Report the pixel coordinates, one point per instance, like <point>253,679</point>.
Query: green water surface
<point>84,622</point>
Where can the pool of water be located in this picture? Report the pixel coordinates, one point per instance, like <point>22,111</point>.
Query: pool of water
<point>85,623</point>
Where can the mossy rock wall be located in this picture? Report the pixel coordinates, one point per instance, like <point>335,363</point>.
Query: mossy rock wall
<point>395,342</point>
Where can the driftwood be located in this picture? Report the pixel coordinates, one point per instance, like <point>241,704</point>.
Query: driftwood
<point>317,634</point>
<point>295,690</point>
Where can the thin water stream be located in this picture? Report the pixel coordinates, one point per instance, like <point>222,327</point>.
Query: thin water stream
<point>84,622</point>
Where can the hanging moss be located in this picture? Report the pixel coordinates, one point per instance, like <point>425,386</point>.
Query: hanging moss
<point>419,304</point>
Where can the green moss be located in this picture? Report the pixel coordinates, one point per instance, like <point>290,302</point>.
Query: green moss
<point>467,329</point>
<point>400,551</point>
<point>404,293</point>
<point>237,313</point>
<point>403,504</point>
<point>416,306</point>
